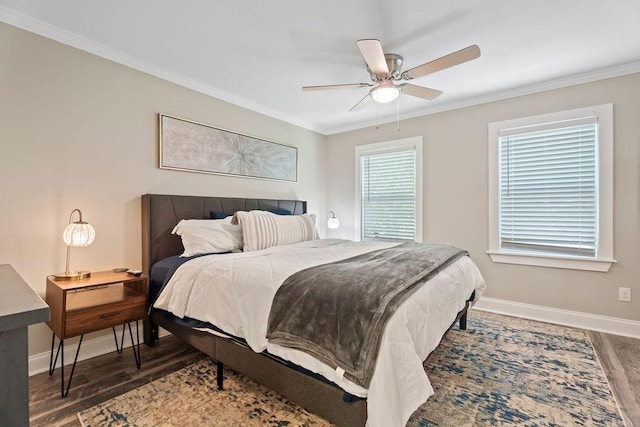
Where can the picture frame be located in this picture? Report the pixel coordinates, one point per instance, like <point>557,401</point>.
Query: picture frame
<point>189,146</point>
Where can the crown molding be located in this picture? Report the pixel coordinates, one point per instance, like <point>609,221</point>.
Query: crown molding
<point>559,83</point>
<point>36,26</point>
<point>69,38</point>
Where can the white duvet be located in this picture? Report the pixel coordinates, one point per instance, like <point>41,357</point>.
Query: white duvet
<point>235,291</point>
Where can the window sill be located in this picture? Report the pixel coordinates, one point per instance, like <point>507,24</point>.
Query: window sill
<point>601,264</point>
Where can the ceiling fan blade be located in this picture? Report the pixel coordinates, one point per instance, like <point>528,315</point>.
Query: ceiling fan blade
<point>372,52</point>
<point>419,91</point>
<point>455,58</point>
<point>342,86</point>
<point>361,104</point>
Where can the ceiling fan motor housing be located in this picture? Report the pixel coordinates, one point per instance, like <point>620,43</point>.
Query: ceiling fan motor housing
<point>394,64</point>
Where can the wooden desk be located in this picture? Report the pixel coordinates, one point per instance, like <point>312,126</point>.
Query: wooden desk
<point>20,306</point>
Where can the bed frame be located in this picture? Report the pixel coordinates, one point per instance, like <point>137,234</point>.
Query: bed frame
<point>160,213</point>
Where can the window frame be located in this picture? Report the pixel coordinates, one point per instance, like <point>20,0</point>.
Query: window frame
<point>416,143</point>
<point>604,252</point>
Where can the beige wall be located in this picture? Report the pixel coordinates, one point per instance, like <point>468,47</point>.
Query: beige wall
<point>455,194</point>
<point>78,131</point>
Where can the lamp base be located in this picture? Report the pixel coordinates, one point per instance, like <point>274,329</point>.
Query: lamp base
<point>72,275</point>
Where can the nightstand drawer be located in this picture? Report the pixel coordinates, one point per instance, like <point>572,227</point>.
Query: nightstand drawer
<point>90,320</point>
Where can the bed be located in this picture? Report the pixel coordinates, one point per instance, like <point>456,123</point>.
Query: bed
<point>294,374</point>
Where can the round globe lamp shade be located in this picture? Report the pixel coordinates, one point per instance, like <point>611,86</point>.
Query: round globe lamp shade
<point>79,234</point>
<point>333,223</point>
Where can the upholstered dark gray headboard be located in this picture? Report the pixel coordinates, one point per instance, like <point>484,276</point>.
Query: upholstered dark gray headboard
<point>161,212</point>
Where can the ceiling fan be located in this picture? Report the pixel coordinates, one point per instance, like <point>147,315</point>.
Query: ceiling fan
<point>386,69</point>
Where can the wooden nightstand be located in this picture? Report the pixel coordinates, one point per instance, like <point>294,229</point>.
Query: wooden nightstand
<point>103,300</point>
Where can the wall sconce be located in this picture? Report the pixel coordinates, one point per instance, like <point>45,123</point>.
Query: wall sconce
<point>333,222</point>
<point>77,234</point>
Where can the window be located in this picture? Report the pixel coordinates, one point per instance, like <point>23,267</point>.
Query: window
<point>389,190</point>
<point>551,189</point>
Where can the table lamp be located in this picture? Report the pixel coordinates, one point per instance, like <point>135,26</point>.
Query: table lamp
<point>77,234</point>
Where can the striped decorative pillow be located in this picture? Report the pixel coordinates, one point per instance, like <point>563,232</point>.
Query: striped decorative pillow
<point>262,229</point>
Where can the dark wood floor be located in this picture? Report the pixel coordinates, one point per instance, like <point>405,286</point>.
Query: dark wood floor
<point>620,362</point>
<point>101,378</point>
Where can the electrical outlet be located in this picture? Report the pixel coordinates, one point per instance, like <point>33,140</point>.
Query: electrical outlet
<point>624,294</point>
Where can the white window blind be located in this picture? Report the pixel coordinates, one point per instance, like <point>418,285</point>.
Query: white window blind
<point>548,188</point>
<point>388,199</point>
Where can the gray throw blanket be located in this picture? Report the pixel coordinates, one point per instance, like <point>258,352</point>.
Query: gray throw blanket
<point>337,312</point>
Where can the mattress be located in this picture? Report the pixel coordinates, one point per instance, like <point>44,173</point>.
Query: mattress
<point>234,292</point>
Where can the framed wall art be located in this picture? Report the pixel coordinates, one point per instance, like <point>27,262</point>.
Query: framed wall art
<point>196,147</point>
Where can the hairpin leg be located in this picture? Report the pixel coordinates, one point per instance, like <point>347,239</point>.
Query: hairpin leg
<point>121,346</point>
<point>135,345</point>
<point>52,364</point>
<point>136,354</point>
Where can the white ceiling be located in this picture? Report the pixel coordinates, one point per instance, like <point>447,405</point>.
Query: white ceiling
<point>258,54</point>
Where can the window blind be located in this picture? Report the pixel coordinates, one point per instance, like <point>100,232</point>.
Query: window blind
<point>548,188</point>
<point>389,195</point>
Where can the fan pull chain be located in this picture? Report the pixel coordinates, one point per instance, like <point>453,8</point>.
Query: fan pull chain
<point>398,114</point>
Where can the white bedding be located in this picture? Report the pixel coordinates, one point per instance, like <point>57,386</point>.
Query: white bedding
<point>235,291</point>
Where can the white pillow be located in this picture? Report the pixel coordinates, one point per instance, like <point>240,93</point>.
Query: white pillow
<point>262,229</point>
<point>208,236</point>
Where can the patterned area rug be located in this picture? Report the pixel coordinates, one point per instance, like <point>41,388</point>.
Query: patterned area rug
<point>501,371</point>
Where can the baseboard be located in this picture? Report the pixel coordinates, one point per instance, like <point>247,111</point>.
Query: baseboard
<point>39,363</point>
<point>576,319</point>
<point>98,346</point>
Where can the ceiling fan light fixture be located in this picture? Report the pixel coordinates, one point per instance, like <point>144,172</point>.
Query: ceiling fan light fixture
<point>385,92</point>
